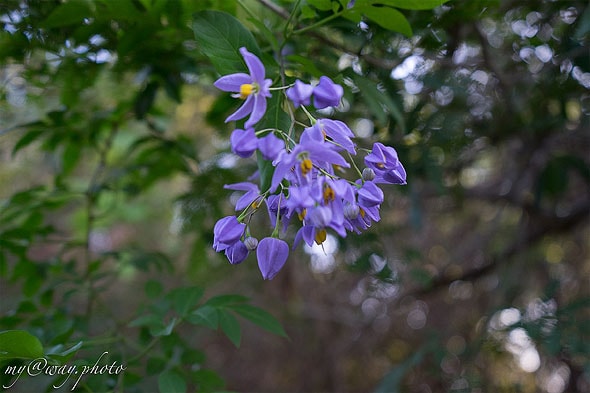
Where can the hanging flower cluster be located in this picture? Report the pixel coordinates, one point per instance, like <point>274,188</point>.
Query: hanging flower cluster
<point>306,185</point>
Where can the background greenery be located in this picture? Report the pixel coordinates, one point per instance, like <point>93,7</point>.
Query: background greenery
<point>114,155</point>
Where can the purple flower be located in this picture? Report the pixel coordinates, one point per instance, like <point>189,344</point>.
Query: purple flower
<point>337,131</point>
<point>270,146</point>
<point>253,88</point>
<point>300,93</point>
<point>226,232</point>
<point>370,195</point>
<point>384,161</point>
<point>252,193</point>
<point>303,157</point>
<point>350,4</point>
<point>243,142</point>
<point>272,254</point>
<point>236,253</point>
<point>327,93</point>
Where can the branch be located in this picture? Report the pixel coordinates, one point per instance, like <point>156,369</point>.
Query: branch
<point>374,61</point>
<point>555,225</point>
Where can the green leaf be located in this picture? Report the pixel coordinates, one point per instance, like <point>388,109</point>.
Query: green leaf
<point>63,355</point>
<point>226,300</point>
<point>388,18</point>
<point>377,101</point>
<point>28,138</point>
<point>183,299</point>
<point>260,317</point>
<point>19,344</point>
<point>171,382</point>
<point>69,13</point>
<point>220,36</point>
<point>206,316</point>
<point>231,327</point>
<point>265,171</point>
<point>413,4</point>
<point>152,289</point>
<point>322,5</point>
<point>392,381</point>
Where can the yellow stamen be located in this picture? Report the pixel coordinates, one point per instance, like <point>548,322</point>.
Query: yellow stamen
<point>329,194</point>
<point>380,165</point>
<point>362,212</point>
<point>320,236</point>
<point>255,205</point>
<point>302,214</point>
<point>306,166</point>
<point>245,90</point>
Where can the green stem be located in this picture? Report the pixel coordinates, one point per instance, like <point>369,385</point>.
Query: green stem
<point>248,11</point>
<point>320,23</point>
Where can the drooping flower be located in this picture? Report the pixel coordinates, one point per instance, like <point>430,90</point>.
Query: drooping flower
<point>384,161</point>
<point>252,193</point>
<point>236,253</point>
<point>303,157</point>
<point>226,232</point>
<point>243,142</point>
<point>337,131</point>
<point>300,93</point>
<point>270,146</point>
<point>370,195</point>
<point>252,88</point>
<point>327,93</point>
<point>272,254</point>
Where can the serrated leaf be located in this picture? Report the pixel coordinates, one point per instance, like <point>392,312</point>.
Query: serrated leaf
<point>171,382</point>
<point>19,344</point>
<point>231,327</point>
<point>260,317</point>
<point>220,36</point>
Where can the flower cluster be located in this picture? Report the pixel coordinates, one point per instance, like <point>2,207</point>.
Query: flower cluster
<point>306,186</point>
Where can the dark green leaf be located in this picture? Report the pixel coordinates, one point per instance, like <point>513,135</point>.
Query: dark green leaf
<point>19,344</point>
<point>29,137</point>
<point>220,36</point>
<point>183,299</point>
<point>69,13</point>
<point>388,18</point>
<point>153,289</point>
<point>171,382</point>
<point>412,4</point>
<point>260,317</point>
<point>226,300</point>
<point>265,171</point>
<point>231,327</point>
<point>205,315</point>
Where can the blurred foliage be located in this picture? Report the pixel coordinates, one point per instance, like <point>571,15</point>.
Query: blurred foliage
<point>114,155</point>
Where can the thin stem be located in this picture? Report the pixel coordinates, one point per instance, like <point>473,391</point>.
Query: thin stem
<point>289,20</point>
<point>309,115</point>
<point>320,23</point>
<point>354,165</point>
<point>248,11</point>
<point>91,197</point>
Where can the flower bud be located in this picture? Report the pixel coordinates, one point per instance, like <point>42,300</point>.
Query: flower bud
<point>251,243</point>
<point>368,174</point>
<point>351,211</point>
